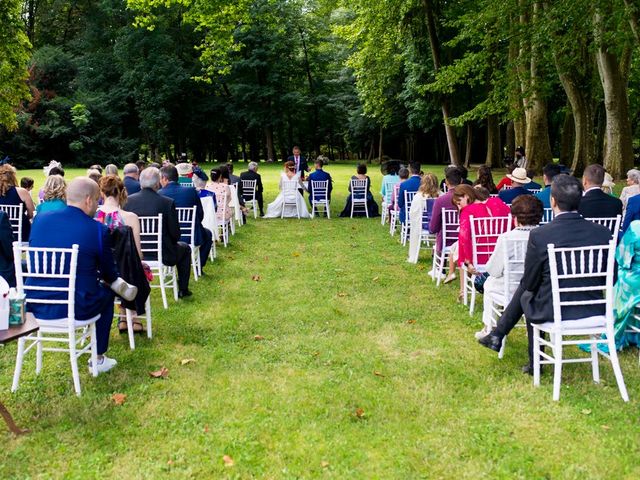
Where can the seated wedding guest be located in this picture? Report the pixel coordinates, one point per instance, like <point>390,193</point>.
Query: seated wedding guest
<point>485,179</point>
<point>252,174</point>
<point>443,184</point>
<point>319,175</point>
<point>410,185</point>
<point>54,168</point>
<point>111,169</point>
<point>533,297</point>
<point>549,172</point>
<point>452,180</point>
<point>96,167</point>
<point>218,185</point>
<point>129,263</point>
<point>201,187</point>
<point>389,180</point>
<point>11,194</point>
<point>506,180</point>
<point>141,164</point>
<point>632,213</point>
<point>94,174</point>
<point>595,203</point>
<point>131,174</point>
<point>27,184</point>
<point>372,206</point>
<point>95,263</point>
<point>527,213</point>
<point>187,197</point>
<point>608,185</point>
<point>403,174</point>
<point>55,195</point>
<point>518,181</point>
<point>7,267</point>
<point>464,173</point>
<point>428,191</point>
<point>532,185</point>
<point>633,187</point>
<point>148,202</point>
<point>185,173</point>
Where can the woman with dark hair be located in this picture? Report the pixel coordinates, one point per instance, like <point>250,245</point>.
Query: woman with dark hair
<point>485,179</point>
<point>219,185</point>
<point>527,213</point>
<point>372,206</point>
<point>11,194</point>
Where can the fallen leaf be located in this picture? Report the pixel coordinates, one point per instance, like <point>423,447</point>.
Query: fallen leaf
<point>186,361</point>
<point>586,411</point>
<point>228,461</point>
<point>420,267</point>
<point>119,398</point>
<point>206,429</point>
<point>315,354</point>
<point>605,427</point>
<point>411,322</point>
<point>375,279</point>
<point>255,278</point>
<point>359,412</point>
<point>342,294</point>
<point>296,254</point>
<point>378,374</point>
<point>162,373</point>
<point>258,338</point>
<point>170,462</point>
<point>266,259</point>
<point>324,464</point>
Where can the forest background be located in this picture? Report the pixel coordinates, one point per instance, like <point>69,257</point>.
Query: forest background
<point>112,81</point>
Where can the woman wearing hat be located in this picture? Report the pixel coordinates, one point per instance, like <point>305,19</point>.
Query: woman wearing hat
<point>185,172</point>
<point>518,179</point>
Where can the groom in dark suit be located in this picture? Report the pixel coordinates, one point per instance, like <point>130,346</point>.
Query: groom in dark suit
<point>533,297</point>
<point>595,203</point>
<point>300,162</point>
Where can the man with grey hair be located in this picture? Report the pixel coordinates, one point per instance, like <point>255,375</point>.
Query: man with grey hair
<point>95,263</point>
<point>147,203</point>
<point>252,174</point>
<point>131,175</point>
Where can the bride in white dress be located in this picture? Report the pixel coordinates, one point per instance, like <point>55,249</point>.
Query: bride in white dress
<point>274,209</point>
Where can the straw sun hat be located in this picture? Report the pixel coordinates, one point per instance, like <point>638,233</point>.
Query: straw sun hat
<point>519,175</point>
<point>184,169</point>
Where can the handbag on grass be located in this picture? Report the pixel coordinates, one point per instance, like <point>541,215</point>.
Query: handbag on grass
<point>478,283</point>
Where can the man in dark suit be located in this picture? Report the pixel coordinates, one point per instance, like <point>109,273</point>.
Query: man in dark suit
<point>148,202</point>
<point>533,297</point>
<point>411,184</point>
<point>319,175</point>
<point>187,197</point>
<point>300,162</point>
<point>131,174</point>
<point>519,180</point>
<point>595,203</point>
<point>75,225</point>
<point>252,174</point>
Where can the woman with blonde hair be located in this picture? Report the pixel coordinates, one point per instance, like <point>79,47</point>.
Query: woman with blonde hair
<point>11,194</point>
<point>423,199</point>
<point>55,195</point>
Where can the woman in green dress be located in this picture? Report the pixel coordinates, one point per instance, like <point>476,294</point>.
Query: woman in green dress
<point>626,292</point>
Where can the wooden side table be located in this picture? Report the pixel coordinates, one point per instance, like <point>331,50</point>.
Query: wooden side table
<point>29,326</point>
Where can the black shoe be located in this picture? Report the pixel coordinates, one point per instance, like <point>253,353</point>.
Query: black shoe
<point>492,341</point>
<point>184,293</point>
<point>527,369</point>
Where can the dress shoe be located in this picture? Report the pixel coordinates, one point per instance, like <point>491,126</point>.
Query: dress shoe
<point>184,293</point>
<point>492,341</point>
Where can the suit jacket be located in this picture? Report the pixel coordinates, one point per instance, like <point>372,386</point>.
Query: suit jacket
<point>597,204</point>
<point>302,165</point>
<point>566,230</point>
<point>186,197</point>
<point>251,175</point>
<point>95,260</point>
<point>319,176</point>
<point>632,213</point>
<point>131,185</point>
<point>411,184</point>
<point>508,196</point>
<point>7,268</point>
<point>147,203</point>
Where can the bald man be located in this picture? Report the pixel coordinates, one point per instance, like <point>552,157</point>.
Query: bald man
<point>75,225</point>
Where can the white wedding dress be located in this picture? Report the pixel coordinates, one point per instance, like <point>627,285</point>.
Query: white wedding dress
<point>274,209</point>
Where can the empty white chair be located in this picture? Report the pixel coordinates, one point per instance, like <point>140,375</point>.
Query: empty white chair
<point>595,263</point>
<point>450,229</point>
<point>16,217</point>
<point>249,195</point>
<point>359,196</point>
<point>151,243</point>
<point>612,223</point>
<point>59,264</point>
<point>484,235</point>
<point>406,226</point>
<point>290,196</point>
<point>320,196</point>
<point>187,221</point>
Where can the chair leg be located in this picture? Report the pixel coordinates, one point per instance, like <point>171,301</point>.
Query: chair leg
<point>162,287</point>
<point>39,353</point>
<point>19,361</point>
<point>174,274</point>
<point>613,356</point>
<point>473,295</point>
<point>74,364</point>
<point>328,210</point>
<point>94,350</point>
<point>595,366</point>
<point>557,366</point>
<point>501,352</point>
<point>536,357</point>
<point>147,308</point>
<point>129,317</point>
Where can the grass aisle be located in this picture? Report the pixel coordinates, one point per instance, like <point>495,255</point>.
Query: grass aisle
<point>340,361</point>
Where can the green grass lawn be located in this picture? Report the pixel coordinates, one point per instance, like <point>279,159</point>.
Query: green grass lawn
<point>362,369</point>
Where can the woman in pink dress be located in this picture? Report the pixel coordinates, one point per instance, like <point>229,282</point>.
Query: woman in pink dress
<point>220,186</point>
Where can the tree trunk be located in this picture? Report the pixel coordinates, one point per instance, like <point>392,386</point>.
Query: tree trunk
<point>268,133</point>
<point>567,138</point>
<point>468,151</point>
<point>634,19</point>
<point>510,140</point>
<point>380,147</point>
<point>493,141</point>
<point>435,55</point>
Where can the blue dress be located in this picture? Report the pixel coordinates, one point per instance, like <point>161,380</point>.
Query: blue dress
<point>12,198</point>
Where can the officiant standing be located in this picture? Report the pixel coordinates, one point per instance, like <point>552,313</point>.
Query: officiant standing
<point>300,162</point>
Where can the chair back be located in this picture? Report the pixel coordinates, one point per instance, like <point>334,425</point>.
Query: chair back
<point>547,216</point>
<point>484,235</point>
<point>427,212</point>
<point>187,221</point>
<point>249,190</point>
<point>513,255</point>
<point>450,226</point>
<point>579,278</point>
<point>507,187</point>
<point>151,237</point>
<point>534,190</point>
<point>222,204</point>
<point>57,265</point>
<point>16,216</point>
<point>358,190</point>
<point>186,184</point>
<point>612,223</point>
<point>319,191</point>
<point>388,190</point>
<point>290,191</point>
<point>408,200</point>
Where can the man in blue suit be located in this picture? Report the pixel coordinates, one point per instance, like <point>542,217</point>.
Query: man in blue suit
<point>632,213</point>
<point>319,175</point>
<point>75,225</point>
<point>411,184</point>
<point>131,174</point>
<point>187,197</point>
